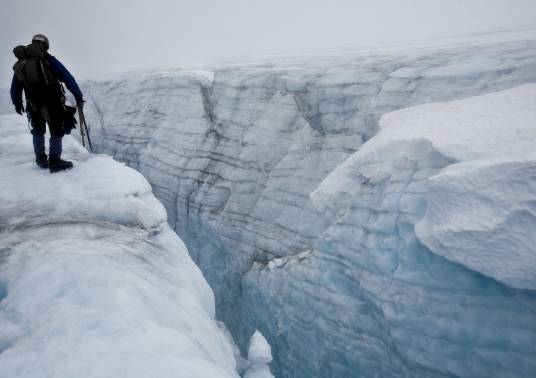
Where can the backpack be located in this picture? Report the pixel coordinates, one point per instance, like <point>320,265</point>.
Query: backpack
<point>33,69</point>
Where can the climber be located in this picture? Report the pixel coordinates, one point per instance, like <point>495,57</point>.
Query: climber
<point>40,74</point>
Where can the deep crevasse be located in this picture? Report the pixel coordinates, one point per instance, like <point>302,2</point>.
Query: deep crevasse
<point>234,156</point>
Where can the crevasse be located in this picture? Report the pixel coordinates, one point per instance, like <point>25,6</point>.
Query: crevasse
<point>338,283</point>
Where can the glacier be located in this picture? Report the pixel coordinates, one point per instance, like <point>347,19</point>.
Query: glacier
<point>339,283</point>
<point>314,226</point>
<point>93,281</point>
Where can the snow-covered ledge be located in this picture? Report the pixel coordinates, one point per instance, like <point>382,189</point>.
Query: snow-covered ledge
<point>93,282</point>
<point>480,209</point>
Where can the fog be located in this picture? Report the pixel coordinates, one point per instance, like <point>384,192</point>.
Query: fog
<point>97,37</point>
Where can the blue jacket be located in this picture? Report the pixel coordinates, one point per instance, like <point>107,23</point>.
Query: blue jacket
<point>61,73</point>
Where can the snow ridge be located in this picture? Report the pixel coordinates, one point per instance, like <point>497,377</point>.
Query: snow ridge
<point>93,282</point>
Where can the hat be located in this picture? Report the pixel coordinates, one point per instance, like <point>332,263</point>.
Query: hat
<point>41,38</point>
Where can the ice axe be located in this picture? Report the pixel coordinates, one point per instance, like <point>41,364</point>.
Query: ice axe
<point>84,131</point>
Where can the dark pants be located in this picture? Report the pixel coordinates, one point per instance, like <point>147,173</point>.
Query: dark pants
<point>54,117</point>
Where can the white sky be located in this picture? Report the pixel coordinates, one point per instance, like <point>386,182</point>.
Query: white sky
<point>94,37</point>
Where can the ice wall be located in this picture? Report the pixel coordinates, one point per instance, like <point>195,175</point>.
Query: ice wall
<point>234,155</point>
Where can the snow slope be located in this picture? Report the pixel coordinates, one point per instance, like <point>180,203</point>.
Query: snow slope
<point>93,282</point>
<point>342,285</point>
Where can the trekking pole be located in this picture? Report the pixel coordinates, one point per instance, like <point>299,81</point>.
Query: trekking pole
<point>80,117</point>
<point>84,131</point>
<point>87,133</point>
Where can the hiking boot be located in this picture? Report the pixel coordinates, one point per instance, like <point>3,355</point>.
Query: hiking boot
<point>42,161</point>
<point>56,164</point>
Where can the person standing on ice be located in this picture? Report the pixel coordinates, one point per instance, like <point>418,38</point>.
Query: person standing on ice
<point>39,74</point>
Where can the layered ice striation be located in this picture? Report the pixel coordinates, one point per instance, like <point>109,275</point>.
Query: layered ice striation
<point>93,282</point>
<point>339,283</point>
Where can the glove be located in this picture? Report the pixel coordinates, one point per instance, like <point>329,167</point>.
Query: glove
<point>19,109</point>
<point>80,103</point>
